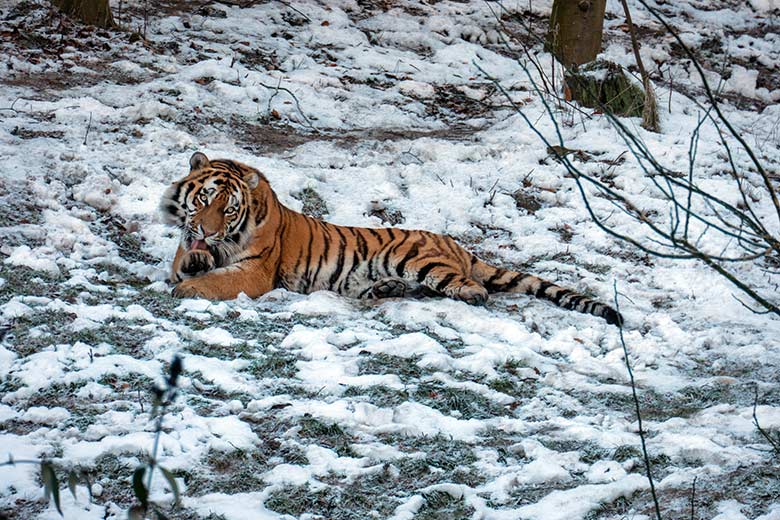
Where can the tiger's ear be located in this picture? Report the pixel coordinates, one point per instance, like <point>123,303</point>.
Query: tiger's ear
<point>198,161</point>
<point>252,179</point>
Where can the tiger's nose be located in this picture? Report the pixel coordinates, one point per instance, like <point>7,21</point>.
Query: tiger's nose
<point>206,231</point>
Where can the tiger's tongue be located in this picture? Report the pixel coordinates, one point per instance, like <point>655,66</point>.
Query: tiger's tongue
<point>199,244</point>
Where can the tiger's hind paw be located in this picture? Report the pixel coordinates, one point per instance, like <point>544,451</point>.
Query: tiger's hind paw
<point>190,289</point>
<point>388,288</point>
<point>472,294</point>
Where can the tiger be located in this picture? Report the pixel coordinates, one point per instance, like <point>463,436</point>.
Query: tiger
<point>237,237</point>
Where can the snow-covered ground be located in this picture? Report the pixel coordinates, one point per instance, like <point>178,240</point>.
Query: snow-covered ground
<point>371,114</point>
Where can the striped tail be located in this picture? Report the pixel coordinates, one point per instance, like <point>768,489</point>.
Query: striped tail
<point>497,280</point>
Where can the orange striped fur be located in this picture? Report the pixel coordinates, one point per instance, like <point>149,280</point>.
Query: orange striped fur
<point>237,237</point>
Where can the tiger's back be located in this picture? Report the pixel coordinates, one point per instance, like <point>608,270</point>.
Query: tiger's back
<point>274,246</point>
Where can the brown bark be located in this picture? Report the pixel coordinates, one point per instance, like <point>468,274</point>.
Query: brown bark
<point>575,30</point>
<point>91,12</point>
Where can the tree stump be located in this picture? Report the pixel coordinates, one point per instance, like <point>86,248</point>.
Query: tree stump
<point>604,84</point>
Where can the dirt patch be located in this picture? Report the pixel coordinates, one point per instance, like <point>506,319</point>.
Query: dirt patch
<point>271,138</point>
<point>27,133</point>
<point>451,102</point>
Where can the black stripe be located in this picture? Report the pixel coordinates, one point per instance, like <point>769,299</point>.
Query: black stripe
<point>339,261</point>
<point>489,285</point>
<point>242,226</point>
<point>445,282</point>
<point>355,264</point>
<point>361,243</point>
<point>573,302</point>
<point>177,192</point>
<point>376,235</point>
<point>514,281</point>
<point>297,264</point>
<point>324,256</point>
<point>391,252</point>
<point>413,251</point>
<point>371,269</point>
<point>189,188</point>
<point>307,261</point>
<point>543,286</point>
<point>386,261</point>
<point>261,213</point>
<point>427,268</point>
<point>228,165</point>
<point>556,299</point>
<point>261,254</point>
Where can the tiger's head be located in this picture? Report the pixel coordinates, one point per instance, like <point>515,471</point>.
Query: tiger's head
<point>212,206</point>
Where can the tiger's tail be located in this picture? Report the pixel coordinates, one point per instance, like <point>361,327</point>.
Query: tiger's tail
<point>498,280</point>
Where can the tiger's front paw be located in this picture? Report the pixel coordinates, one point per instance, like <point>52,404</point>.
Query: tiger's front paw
<point>189,289</point>
<point>195,262</point>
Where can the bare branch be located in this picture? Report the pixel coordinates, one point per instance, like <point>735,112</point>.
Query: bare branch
<point>645,456</point>
<point>775,443</point>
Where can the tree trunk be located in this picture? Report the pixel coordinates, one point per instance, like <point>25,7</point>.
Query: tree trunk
<point>575,30</point>
<point>91,12</point>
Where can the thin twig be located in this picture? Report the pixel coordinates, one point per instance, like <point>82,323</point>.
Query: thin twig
<point>413,156</point>
<point>641,152</point>
<point>678,247</point>
<point>11,108</point>
<point>297,104</point>
<point>89,125</point>
<point>283,2</point>
<point>645,456</point>
<point>629,208</point>
<point>775,443</point>
<point>276,92</point>
<point>716,106</point>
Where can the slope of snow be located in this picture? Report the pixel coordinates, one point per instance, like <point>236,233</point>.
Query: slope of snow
<point>318,406</point>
